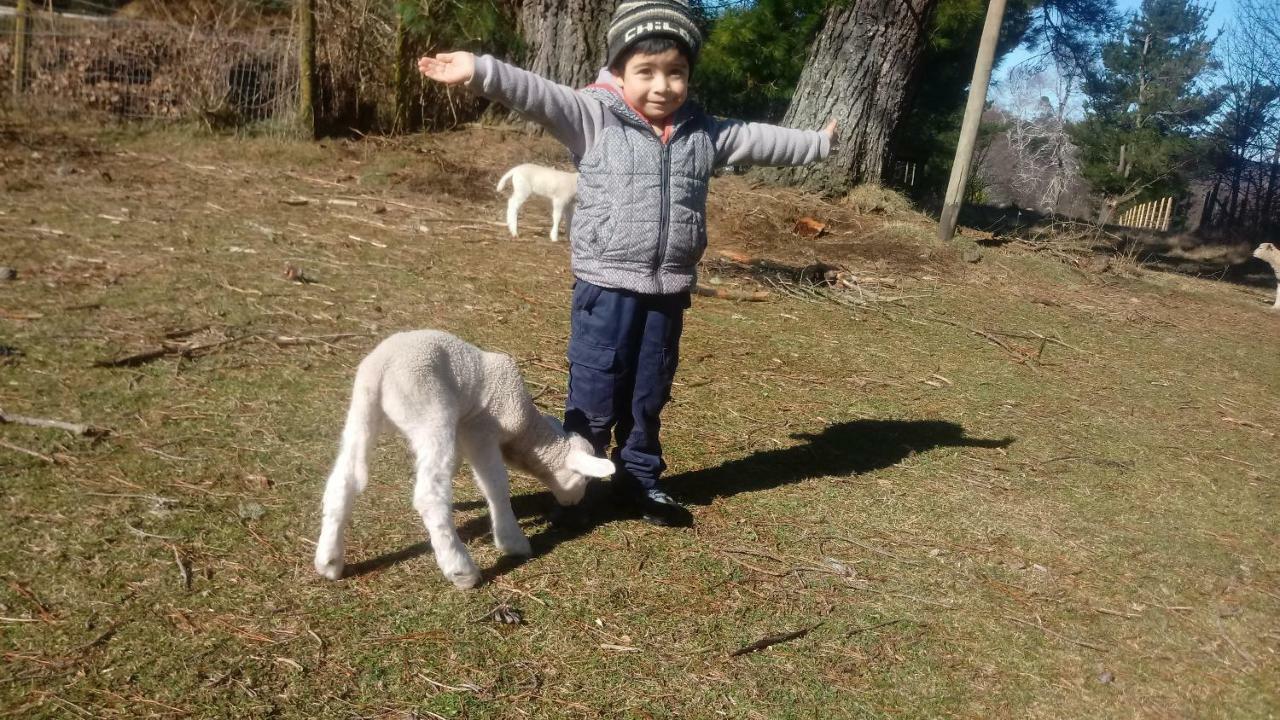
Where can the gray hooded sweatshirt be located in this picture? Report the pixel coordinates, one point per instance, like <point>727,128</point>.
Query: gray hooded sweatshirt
<point>641,218</point>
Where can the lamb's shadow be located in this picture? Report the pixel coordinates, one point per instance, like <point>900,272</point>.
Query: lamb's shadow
<point>851,448</point>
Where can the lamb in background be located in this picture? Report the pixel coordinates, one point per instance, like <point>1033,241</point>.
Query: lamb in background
<point>452,401</point>
<point>558,186</point>
<point>1268,253</point>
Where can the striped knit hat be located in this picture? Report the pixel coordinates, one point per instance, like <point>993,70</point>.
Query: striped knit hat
<point>635,20</point>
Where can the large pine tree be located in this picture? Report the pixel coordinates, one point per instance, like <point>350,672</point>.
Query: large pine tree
<point>1148,102</point>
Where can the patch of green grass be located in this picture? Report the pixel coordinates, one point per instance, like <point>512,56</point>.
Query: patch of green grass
<point>1075,527</point>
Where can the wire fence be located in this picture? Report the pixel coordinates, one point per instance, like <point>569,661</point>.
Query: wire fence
<point>146,69</point>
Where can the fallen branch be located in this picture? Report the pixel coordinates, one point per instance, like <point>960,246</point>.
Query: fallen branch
<point>873,549</point>
<point>173,349</point>
<point>730,294</point>
<point>188,351</point>
<point>32,453</point>
<point>1051,633</point>
<point>771,640</point>
<point>73,428</point>
<point>286,340</point>
<point>1021,357</point>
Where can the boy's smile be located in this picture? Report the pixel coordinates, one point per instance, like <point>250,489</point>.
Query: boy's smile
<point>656,85</point>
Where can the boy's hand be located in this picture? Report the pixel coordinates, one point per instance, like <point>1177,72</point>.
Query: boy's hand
<point>830,132</point>
<point>449,68</point>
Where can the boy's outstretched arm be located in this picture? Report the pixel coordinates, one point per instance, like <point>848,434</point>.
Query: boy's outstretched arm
<point>571,118</point>
<point>744,143</point>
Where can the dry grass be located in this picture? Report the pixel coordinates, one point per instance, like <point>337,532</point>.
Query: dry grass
<point>1023,490</point>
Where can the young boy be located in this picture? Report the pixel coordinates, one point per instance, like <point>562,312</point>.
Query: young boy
<point>645,157</point>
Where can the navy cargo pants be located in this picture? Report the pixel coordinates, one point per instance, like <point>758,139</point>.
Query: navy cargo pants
<point>623,350</point>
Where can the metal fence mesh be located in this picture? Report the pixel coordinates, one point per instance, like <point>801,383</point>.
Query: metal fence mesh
<point>140,69</point>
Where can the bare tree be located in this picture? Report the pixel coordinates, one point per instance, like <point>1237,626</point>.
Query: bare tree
<point>1045,163</point>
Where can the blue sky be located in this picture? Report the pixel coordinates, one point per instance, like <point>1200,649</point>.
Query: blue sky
<point>1221,17</point>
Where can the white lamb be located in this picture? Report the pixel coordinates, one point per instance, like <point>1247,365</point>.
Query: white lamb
<point>558,186</point>
<point>452,401</point>
<point>1268,253</point>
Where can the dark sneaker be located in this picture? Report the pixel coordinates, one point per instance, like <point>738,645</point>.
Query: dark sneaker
<point>657,508</point>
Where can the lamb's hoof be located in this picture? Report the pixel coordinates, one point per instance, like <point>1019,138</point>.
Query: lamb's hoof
<point>329,566</point>
<point>465,579</point>
<point>518,547</point>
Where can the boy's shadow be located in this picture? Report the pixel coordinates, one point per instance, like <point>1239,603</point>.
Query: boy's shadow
<point>850,448</point>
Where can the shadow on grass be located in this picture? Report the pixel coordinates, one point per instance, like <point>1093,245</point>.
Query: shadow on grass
<point>851,448</point>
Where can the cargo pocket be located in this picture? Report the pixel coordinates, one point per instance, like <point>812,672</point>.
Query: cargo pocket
<point>593,378</point>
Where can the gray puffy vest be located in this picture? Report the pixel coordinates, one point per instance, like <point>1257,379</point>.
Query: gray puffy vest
<point>640,222</point>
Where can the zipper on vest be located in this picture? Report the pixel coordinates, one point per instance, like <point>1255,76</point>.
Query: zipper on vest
<point>664,218</point>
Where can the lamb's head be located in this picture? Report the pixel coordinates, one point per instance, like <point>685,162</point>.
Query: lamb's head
<point>1268,253</point>
<point>577,464</point>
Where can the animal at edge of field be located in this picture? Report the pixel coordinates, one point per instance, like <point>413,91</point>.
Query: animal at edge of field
<point>1268,253</point>
<point>453,401</point>
<point>556,185</point>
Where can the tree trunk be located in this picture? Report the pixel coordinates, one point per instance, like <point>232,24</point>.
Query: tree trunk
<point>565,38</point>
<point>1233,208</point>
<point>306,28</point>
<point>1210,202</point>
<point>1273,178</point>
<point>858,72</point>
<point>20,38</point>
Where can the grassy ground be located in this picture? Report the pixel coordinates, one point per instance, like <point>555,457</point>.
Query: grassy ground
<point>971,520</point>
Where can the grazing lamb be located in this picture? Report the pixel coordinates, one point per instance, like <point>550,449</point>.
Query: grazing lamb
<point>560,187</point>
<point>1268,253</point>
<point>452,401</point>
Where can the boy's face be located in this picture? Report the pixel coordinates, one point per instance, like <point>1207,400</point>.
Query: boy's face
<point>656,85</point>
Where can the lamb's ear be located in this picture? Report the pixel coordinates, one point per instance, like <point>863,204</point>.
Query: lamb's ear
<point>588,464</point>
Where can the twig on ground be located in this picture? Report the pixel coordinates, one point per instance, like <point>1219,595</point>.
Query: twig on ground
<point>145,534</point>
<point>183,350</point>
<point>866,628</point>
<point>771,640</point>
<point>73,428</point>
<point>32,453</point>
<point>1060,636</point>
<point>731,293</point>
<point>184,568</point>
<point>873,549</point>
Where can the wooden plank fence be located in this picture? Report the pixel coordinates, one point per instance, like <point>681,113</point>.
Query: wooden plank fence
<point>1153,215</point>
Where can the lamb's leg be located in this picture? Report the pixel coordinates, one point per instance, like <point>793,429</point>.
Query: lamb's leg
<point>519,193</point>
<point>437,461</point>
<point>557,212</point>
<point>491,477</point>
<point>348,479</point>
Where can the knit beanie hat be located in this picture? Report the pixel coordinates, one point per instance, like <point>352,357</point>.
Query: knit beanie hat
<point>635,20</point>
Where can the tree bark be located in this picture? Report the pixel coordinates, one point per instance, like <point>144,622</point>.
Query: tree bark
<point>20,37</point>
<point>1268,203</point>
<point>858,73</point>
<point>564,39</point>
<point>306,28</point>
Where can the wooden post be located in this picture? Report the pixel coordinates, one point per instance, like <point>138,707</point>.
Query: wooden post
<point>972,118</point>
<point>20,36</point>
<point>306,68</point>
<point>400,78</point>
<point>1168,214</point>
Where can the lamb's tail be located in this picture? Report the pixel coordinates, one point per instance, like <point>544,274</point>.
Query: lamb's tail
<point>364,422</point>
<point>351,470</point>
<point>502,184</point>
